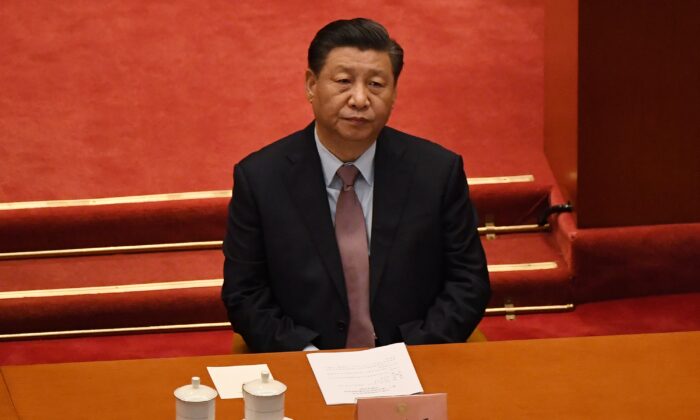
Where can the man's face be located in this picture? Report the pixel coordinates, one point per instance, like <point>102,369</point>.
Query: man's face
<point>352,96</point>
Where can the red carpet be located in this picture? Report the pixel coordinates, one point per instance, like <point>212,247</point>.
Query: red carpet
<point>624,316</point>
<point>106,99</point>
<point>138,346</point>
<point>628,316</point>
<point>169,305</point>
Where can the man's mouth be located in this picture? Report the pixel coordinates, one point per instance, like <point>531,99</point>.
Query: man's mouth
<point>356,120</point>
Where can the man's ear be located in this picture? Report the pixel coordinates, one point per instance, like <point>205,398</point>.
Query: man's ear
<point>310,84</point>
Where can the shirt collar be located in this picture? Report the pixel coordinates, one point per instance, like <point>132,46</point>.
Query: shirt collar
<point>330,163</point>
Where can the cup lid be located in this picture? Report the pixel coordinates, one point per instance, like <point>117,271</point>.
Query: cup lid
<point>265,386</point>
<point>195,392</point>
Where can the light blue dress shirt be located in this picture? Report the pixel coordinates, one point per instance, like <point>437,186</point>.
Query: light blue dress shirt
<point>364,184</point>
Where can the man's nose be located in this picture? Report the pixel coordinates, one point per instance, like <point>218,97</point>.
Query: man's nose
<point>358,96</point>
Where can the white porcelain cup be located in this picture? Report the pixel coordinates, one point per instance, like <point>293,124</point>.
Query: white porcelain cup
<point>263,398</point>
<point>195,402</point>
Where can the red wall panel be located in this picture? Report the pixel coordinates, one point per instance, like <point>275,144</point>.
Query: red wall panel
<point>635,158</point>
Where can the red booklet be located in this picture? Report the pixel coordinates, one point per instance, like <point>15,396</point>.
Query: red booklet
<point>411,407</point>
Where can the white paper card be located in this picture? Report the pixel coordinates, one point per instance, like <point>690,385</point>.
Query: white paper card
<point>229,380</point>
<point>379,372</point>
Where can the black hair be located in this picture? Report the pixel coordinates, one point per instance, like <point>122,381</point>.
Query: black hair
<point>361,33</point>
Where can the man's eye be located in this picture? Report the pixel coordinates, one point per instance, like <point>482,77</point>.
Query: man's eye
<point>376,84</point>
<point>343,81</point>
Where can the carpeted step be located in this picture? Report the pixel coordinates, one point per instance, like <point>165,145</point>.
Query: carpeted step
<point>614,263</point>
<point>110,291</point>
<point>639,315</point>
<point>656,314</point>
<point>527,270</point>
<point>632,261</point>
<point>183,287</point>
<point>506,204</point>
<point>116,347</point>
<point>102,222</point>
<point>194,217</point>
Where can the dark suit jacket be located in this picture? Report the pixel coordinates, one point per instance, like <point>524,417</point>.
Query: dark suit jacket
<point>283,279</point>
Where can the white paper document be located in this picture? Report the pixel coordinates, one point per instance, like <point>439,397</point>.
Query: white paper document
<point>379,372</point>
<point>229,380</point>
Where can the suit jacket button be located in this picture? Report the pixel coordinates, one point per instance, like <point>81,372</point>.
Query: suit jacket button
<point>342,325</point>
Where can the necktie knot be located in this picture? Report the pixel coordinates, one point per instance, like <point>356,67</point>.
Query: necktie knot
<point>348,174</point>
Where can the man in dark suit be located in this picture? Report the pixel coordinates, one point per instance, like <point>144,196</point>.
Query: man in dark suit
<point>350,233</point>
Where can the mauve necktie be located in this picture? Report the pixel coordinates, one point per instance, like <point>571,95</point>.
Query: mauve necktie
<point>351,234</point>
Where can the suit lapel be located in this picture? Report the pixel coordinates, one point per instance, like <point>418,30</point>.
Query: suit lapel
<point>308,191</point>
<point>393,173</point>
